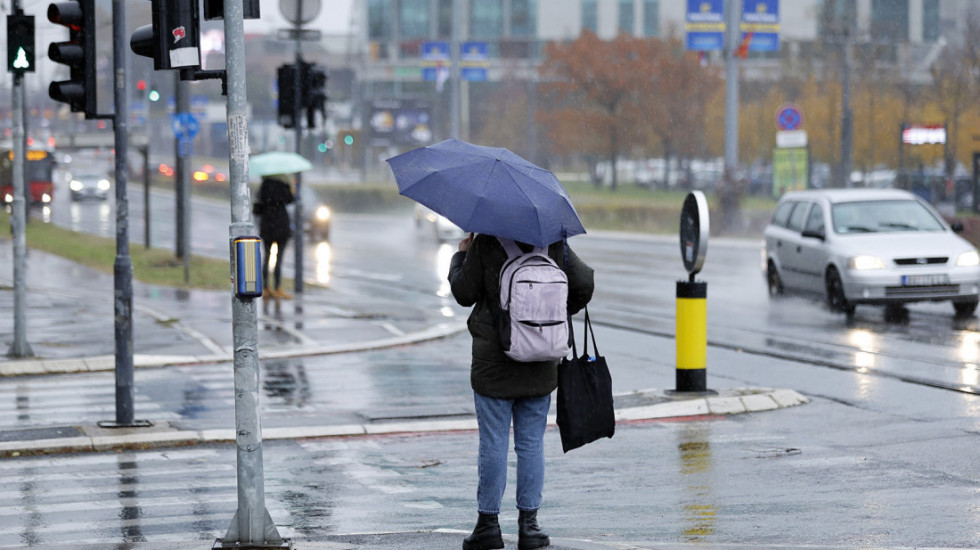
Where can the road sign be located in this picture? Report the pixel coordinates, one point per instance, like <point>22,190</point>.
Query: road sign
<point>185,126</point>
<point>789,117</point>
<point>299,34</point>
<point>473,57</point>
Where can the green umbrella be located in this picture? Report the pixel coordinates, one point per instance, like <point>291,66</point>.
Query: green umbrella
<point>277,162</point>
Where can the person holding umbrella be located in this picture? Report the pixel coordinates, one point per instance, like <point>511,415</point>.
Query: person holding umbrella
<point>275,227</point>
<point>491,192</point>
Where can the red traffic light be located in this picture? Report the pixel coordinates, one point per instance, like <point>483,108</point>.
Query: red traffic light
<point>141,85</point>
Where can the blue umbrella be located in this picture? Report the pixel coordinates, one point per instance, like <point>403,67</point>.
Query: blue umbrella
<point>488,190</point>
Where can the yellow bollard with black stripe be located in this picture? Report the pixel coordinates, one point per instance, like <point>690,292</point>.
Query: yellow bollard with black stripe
<point>692,336</point>
<point>692,298</point>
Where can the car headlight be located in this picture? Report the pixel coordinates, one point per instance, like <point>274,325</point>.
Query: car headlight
<point>45,198</point>
<point>75,185</point>
<point>968,259</point>
<point>865,262</point>
<point>8,198</point>
<point>322,213</point>
<point>103,185</point>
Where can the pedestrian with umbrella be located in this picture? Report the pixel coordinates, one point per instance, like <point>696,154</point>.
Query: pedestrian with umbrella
<point>494,194</point>
<point>275,228</point>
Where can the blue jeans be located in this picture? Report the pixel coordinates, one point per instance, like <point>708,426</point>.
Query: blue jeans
<point>530,417</point>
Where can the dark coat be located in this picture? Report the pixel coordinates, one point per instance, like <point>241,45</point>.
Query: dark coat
<point>274,224</point>
<point>473,278</point>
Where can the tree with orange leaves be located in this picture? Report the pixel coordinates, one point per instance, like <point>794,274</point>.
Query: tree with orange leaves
<point>622,96</point>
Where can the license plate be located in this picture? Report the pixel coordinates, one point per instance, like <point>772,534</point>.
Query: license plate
<point>925,280</point>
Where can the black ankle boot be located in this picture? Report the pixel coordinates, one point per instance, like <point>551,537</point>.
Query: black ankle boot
<point>486,534</point>
<point>529,535</point>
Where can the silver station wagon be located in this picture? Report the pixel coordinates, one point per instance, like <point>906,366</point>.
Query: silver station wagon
<point>868,246</point>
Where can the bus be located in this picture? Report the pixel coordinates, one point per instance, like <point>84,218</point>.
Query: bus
<point>38,170</point>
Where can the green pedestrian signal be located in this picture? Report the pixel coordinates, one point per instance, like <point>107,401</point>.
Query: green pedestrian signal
<point>348,140</point>
<point>20,43</point>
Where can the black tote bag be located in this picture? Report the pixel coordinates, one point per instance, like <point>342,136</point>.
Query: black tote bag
<point>585,399</point>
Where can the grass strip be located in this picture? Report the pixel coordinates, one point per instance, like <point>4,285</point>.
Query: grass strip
<point>152,266</point>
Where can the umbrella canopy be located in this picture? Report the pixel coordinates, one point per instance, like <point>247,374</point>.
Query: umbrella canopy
<point>488,190</point>
<point>277,162</point>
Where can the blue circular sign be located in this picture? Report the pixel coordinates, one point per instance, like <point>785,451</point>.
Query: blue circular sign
<point>789,117</point>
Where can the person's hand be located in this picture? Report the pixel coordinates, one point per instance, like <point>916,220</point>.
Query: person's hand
<point>464,244</point>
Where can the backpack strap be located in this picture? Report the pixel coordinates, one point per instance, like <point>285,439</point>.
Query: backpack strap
<point>514,251</point>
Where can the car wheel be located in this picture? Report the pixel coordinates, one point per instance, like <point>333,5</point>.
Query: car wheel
<point>775,282</point>
<point>965,309</point>
<point>835,293</point>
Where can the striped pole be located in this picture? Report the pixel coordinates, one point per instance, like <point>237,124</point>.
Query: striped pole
<point>692,336</point>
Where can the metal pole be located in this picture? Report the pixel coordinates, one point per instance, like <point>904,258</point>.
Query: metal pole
<point>182,164</point>
<point>731,86</point>
<point>454,70</point>
<point>251,523</point>
<point>145,150</point>
<point>298,128</point>
<point>846,131</point>
<point>123,265</point>
<point>19,347</point>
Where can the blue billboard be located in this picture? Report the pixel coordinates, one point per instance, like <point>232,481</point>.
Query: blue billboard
<point>705,25</point>
<point>761,18</point>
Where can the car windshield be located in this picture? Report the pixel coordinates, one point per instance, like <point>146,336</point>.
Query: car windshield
<point>883,216</point>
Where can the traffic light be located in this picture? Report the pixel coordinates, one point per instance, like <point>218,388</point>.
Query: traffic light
<point>78,53</point>
<point>20,43</point>
<point>287,95</point>
<point>314,92</point>
<point>173,38</point>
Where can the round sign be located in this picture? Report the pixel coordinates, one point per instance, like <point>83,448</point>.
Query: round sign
<point>694,231</point>
<point>299,12</point>
<point>789,117</point>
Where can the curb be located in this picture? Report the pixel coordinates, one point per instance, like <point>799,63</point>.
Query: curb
<point>96,439</point>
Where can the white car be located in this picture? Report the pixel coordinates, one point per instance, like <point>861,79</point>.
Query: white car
<point>868,246</point>
<point>443,229</point>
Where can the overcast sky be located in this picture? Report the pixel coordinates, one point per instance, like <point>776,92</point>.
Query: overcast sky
<point>334,17</point>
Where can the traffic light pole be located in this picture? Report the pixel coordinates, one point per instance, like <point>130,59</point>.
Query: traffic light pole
<point>123,265</point>
<point>298,128</point>
<point>19,347</point>
<point>251,524</point>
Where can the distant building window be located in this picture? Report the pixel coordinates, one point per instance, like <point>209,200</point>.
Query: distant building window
<point>445,18</point>
<point>837,16</point>
<point>590,15</point>
<point>930,20</point>
<point>379,19</point>
<point>651,18</point>
<point>486,18</point>
<point>413,19</point>
<point>626,16</point>
<point>890,20</point>
<point>523,17</point>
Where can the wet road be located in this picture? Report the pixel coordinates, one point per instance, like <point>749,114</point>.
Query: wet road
<point>922,344</point>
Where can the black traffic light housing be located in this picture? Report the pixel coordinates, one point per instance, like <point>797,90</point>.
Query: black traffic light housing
<point>173,38</point>
<point>287,95</point>
<point>20,43</point>
<point>314,93</point>
<point>78,53</point>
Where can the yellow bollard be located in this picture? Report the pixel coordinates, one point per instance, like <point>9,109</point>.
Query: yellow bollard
<point>692,336</point>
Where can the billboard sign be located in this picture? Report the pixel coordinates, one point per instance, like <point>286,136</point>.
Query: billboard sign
<point>705,25</point>
<point>920,134</point>
<point>400,122</point>
<point>761,18</point>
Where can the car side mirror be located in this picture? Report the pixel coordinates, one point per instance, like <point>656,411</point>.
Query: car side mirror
<point>813,233</point>
<point>957,227</point>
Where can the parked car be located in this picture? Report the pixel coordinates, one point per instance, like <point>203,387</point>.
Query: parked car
<point>441,227</point>
<point>89,185</point>
<point>868,246</point>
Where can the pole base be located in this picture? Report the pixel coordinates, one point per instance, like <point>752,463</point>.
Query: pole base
<point>20,351</point>
<point>691,380</point>
<point>134,424</point>
<point>220,544</point>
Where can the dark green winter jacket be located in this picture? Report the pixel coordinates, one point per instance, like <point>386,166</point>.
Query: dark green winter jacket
<point>473,277</point>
